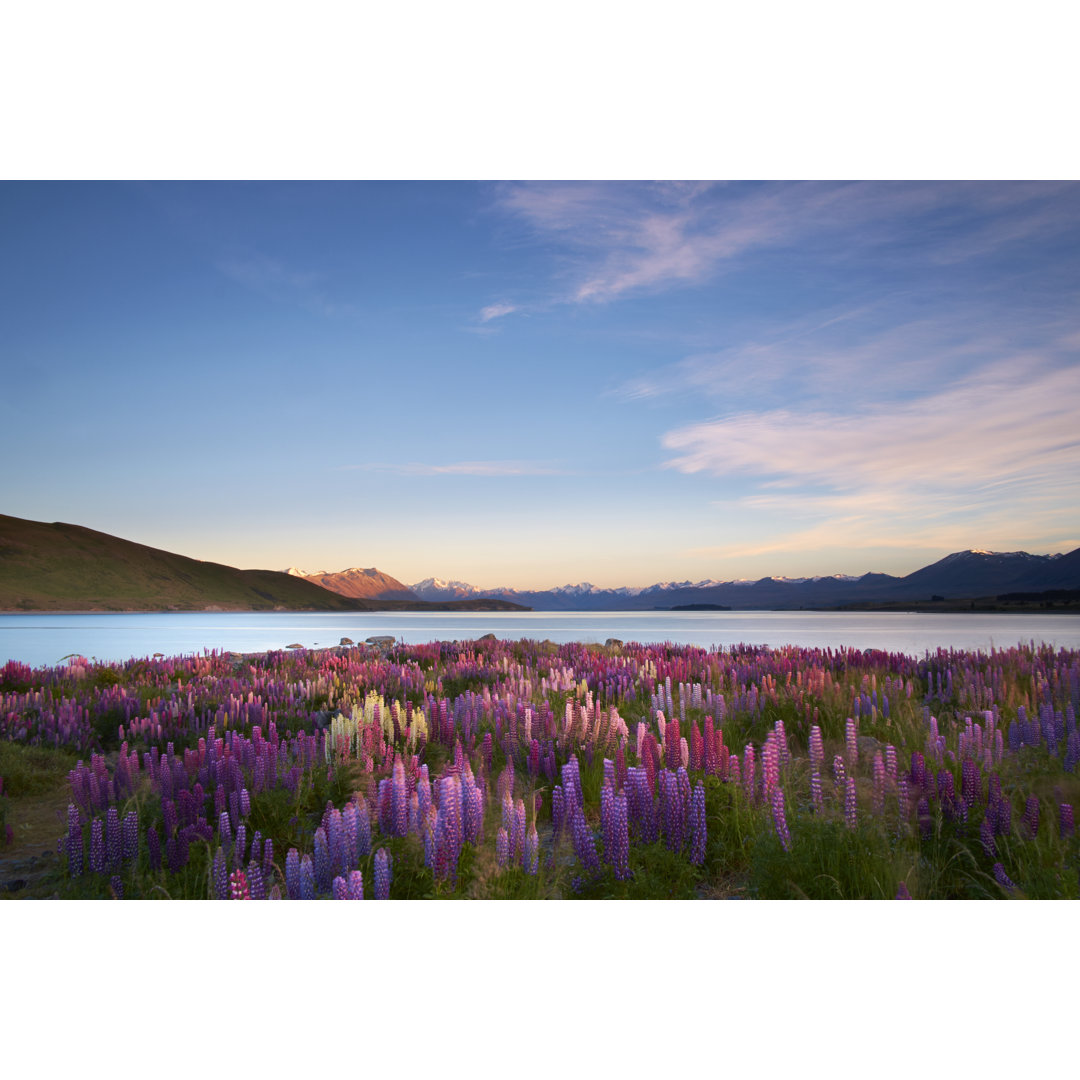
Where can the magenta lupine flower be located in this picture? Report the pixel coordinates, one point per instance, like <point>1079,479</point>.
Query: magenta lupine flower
<point>851,742</point>
<point>1065,819</point>
<point>850,811</point>
<point>815,789</point>
<point>779,821</point>
<point>355,885</point>
<point>672,745</point>
<point>770,766</point>
<point>97,847</point>
<point>698,827</point>
<point>220,876</point>
<point>508,813</point>
<point>238,886</point>
<point>383,874</point>
<point>531,859</point>
<point>1003,879</point>
<point>307,878</point>
<point>902,892</point>
<point>292,874</point>
<point>502,847</point>
<point>1031,814</point>
<point>748,772</point>
<point>890,762</point>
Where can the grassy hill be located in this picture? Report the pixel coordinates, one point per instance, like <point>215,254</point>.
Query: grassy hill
<point>60,567</point>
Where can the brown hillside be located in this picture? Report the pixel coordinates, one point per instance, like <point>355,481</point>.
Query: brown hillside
<point>360,584</point>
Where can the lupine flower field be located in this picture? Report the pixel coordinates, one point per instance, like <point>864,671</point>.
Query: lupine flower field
<point>502,769</point>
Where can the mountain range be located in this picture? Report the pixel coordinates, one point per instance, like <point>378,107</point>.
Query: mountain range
<point>963,575</point>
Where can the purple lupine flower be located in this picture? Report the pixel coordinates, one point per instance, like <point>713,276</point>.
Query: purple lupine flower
<point>268,855</point>
<point>502,847</point>
<point>340,889</point>
<point>256,881</point>
<point>245,802</point>
<point>517,835</point>
<point>74,842</point>
<point>839,775</point>
<point>531,859</point>
<point>698,827</point>
<point>220,876</point>
<point>322,870</point>
<point>902,892</point>
<point>238,886</point>
<point>153,849</point>
<point>584,843</point>
<point>116,886</point>
<point>97,847</point>
<point>558,810</point>
<point>970,783</point>
<point>779,821</point>
<point>1003,879</point>
<point>815,789</point>
<point>113,843</point>
<point>399,804</point>
<point>850,811</point>
<point>363,828</point>
<point>240,845</point>
<point>225,830</point>
<point>176,853</point>
<point>355,885</point>
<point>383,874</point>
<point>986,836</point>
<point>307,878</point>
<point>1065,819</point>
<point>130,836</point>
<point>817,748</point>
<point>292,874</point>
<point>890,762</point>
<point>878,803</point>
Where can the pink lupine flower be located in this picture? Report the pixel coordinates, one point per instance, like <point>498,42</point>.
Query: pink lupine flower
<point>238,886</point>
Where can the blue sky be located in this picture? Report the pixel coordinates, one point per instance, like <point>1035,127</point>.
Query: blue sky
<point>532,384</point>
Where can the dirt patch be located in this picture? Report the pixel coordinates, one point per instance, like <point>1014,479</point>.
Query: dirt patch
<point>37,822</point>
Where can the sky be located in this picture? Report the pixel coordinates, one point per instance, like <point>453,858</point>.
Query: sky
<point>535,384</point>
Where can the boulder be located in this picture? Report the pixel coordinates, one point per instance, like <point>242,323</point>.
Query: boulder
<point>613,643</point>
<point>381,641</point>
<point>346,641</point>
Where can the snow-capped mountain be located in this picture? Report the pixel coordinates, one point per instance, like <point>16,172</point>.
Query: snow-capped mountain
<point>961,575</point>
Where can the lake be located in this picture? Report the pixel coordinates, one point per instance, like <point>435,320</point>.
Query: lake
<point>41,640</point>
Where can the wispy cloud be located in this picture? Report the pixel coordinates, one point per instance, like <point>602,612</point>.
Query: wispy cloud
<point>496,311</point>
<point>997,452</point>
<point>462,468</point>
<point>618,239</point>
<point>274,279</point>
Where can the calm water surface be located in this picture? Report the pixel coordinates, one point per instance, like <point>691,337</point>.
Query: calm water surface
<point>44,639</point>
